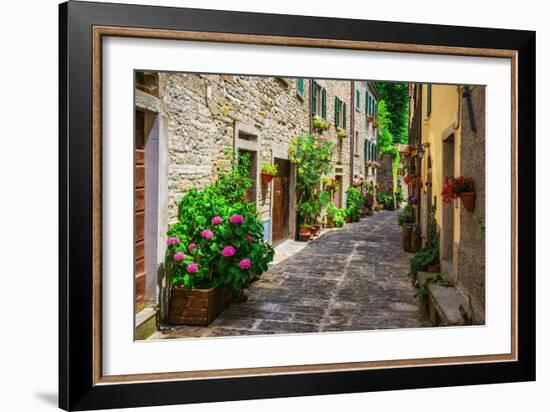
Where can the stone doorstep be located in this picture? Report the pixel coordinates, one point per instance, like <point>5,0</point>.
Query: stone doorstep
<point>444,303</point>
<point>146,322</point>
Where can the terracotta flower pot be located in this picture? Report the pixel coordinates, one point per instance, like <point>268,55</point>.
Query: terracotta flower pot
<point>468,200</point>
<point>305,233</point>
<point>267,178</point>
<point>434,268</point>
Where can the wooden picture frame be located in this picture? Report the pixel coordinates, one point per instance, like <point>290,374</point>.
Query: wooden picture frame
<point>82,27</point>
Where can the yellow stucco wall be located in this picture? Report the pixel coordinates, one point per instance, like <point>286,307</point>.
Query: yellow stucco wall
<point>443,121</point>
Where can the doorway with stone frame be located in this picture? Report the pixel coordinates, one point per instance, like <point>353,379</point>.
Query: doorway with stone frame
<point>447,212</point>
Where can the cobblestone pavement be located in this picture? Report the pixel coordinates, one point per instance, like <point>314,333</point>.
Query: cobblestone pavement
<point>354,278</point>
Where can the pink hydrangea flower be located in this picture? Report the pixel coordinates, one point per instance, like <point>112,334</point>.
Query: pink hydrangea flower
<point>173,240</point>
<point>324,138</point>
<point>245,264</point>
<point>216,220</point>
<point>249,238</point>
<point>228,251</point>
<point>191,247</point>
<point>236,219</point>
<point>192,267</point>
<point>178,257</point>
<point>207,234</point>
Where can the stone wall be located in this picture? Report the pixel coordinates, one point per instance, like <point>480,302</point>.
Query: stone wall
<point>471,250</point>
<point>384,174</point>
<point>202,113</point>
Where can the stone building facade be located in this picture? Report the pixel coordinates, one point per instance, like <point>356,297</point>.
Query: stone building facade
<point>194,119</point>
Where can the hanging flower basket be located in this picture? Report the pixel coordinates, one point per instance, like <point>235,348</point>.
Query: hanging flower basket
<point>462,187</point>
<point>468,200</point>
<point>267,178</point>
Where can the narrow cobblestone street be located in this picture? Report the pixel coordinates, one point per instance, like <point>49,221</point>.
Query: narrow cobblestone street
<point>354,278</point>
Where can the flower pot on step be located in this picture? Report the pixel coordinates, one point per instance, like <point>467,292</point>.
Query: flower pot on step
<point>197,306</point>
<point>468,200</point>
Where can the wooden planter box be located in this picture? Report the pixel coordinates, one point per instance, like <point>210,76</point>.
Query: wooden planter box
<point>197,306</point>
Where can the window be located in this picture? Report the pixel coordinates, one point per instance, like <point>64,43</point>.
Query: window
<point>357,99</point>
<point>429,99</point>
<point>336,111</point>
<point>375,109</point>
<point>356,148</point>
<point>318,100</point>
<point>339,113</point>
<point>300,88</point>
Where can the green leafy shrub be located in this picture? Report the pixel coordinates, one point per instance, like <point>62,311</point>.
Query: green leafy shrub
<point>337,215</point>
<point>269,169</point>
<point>354,203</point>
<point>385,199</point>
<point>312,156</point>
<point>218,238</point>
<point>399,195</point>
<point>430,254</point>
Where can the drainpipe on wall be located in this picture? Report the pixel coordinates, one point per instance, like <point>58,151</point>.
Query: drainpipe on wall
<point>352,130</point>
<point>310,117</point>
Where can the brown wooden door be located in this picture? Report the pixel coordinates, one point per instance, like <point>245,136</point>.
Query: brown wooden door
<point>337,196</point>
<point>281,197</point>
<point>140,210</point>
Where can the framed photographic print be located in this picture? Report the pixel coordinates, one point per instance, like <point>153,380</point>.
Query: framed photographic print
<point>258,206</point>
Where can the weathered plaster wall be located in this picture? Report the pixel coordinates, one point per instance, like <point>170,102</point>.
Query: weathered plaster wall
<point>471,252</point>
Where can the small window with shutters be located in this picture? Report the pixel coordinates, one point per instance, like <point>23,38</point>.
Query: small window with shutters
<point>339,113</point>
<point>300,86</point>
<point>336,111</point>
<point>344,125</point>
<point>318,100</point>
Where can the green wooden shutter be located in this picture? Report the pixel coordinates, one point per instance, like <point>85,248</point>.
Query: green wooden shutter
<point>314,97</point>
<point>336,111</point>
<point>370,105</point>
<point>358,99</point>
<point>375,109</point>
<point>324,103</point>
<point>344,115</point>
<point>366,102</point>
<point>300,85</point>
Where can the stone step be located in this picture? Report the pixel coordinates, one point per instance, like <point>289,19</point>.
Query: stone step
<point>146,322</point>
<point>446,306</point>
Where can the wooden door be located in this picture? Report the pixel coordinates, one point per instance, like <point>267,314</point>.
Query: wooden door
<point>139,221</point>
<point>281,197</point>
<point>337,199</point>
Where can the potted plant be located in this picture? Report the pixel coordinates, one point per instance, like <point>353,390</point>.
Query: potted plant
<point>428,258</point>
<point>461,187</point>
<point>305,232</point>
<point>268,172</point>
<point>353,204</point>
<point>207,261</point>
<point>320,124</point>
<point>342,133</point>
<point>312,156</point>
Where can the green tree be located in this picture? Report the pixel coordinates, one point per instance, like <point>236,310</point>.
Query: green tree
<point>396,98</point>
